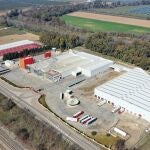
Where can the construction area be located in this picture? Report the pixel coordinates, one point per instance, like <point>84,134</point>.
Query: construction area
<point>81,89</point>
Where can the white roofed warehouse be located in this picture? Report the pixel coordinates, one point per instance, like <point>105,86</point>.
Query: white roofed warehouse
<point>72,63</point>
<point>130,91</point>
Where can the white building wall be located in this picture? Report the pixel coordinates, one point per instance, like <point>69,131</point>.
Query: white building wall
<point>89,72</point>
<point>128,106</point>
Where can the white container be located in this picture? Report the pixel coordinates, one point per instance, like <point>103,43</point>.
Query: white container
<point>122,133</point>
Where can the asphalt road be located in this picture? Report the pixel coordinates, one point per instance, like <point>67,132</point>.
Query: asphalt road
<point>49,118</point>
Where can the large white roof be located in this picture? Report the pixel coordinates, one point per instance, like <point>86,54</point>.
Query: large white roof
<point>132,87</point>
<point>70,61</point>
<point>15,44</point>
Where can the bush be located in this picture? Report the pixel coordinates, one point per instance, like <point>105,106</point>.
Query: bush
<point>41,147</point>
<point>8,105</point>
<point>120,144</point>
<point>93,133</point>
<point>23,134</point>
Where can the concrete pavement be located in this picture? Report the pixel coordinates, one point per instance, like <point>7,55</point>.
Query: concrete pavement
<point>48,117</point>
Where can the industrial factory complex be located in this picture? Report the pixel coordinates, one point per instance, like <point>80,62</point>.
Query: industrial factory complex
<point>129,92</point>
<point>86,91</point>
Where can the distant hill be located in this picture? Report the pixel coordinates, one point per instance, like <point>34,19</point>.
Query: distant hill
<point>11,4</point>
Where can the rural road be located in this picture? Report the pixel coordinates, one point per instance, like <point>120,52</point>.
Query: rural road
<point>49,118</point>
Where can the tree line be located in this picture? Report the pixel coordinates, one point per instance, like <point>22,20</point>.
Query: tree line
<point>62,41</point>
<point>135,52</point>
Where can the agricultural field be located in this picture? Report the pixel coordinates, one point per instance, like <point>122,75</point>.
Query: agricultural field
<point>18,37</point>
<point>141,11</point>
<point>103,26</point>
<point>10,34</point>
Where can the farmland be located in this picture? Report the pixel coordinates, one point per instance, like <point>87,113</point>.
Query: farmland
<point>103,26</point>
<point>10,34</point>
<point>18,37</point>
<point>141,11</point>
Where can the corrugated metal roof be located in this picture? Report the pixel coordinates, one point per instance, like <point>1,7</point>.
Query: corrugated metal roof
<point>15,44</point>
<point>132,87</point>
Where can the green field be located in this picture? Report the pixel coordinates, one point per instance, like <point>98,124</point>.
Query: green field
<point>103,26</point>
<point>9,31</point>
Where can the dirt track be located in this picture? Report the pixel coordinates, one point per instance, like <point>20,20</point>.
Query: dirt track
<point>117,19</point>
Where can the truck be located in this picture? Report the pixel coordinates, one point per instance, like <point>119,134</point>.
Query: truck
<point>72,119</point>
<point>116,109</point>
<point>91,121</point>
<point>85,120</point>
<point>79,113</point>
<point>84,117</point>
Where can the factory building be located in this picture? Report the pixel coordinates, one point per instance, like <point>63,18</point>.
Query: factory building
<point>130,91</point>
<point>71,63</point>
<point>17,46</point>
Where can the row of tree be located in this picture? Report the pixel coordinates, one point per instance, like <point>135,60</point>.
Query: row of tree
<point>62,41</point>
<point>135,52</point>
<point>25,52</point>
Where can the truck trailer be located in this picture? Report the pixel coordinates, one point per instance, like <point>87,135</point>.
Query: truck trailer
<point>79,113</point>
